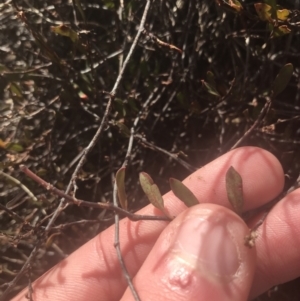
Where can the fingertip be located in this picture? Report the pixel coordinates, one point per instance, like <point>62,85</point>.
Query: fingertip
<point>201,254</point>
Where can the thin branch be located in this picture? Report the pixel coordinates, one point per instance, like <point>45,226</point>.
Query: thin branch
<point>18,183</point>
<point>133,46</point>
<point>173,156</point>
<point>129,149</point>
<point>82,203</point>
<point>257,122</point>
<point>14,215</point>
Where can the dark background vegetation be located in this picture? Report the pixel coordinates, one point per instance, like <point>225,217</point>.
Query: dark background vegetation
<point>54,91</point>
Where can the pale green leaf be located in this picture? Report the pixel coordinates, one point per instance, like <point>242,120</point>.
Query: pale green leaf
<point>15,147</point>
<point>235,4</point>
<point>66,31</point>
<point>264,11</point>
<point>282,79</point>
<point>152,192</point>
<point>183,193</point>
<point>156,198</point>
<point>273,5</point>
<point>146,182</point>
<point>280,31</point>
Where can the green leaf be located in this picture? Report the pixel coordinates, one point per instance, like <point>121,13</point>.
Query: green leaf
<point>210,85</point>
<point>280,31</point>
<point>152,192</point>
<point>282,14</point>
<point>66,31</point>
<point>282,79</point>
<point>183,193</point>
<point>15,89</point>
<point>156,198</point>
<point>15,147</point>
<point>123,128</point>
<point>234,188</point>
<point>120,181</point>
<point>210,89</point>
<point>3,68</point>
<point>235,4</point>
<point>264,11</point>
<point>273,5</point>
<point>146,182</point>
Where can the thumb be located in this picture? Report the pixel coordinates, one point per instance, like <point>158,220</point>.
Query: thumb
<point>199,256</point>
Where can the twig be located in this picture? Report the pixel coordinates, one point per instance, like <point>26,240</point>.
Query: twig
<point>257,122</point>
<point>82,203</point>
<point>14,215</point>
<point>130,143</point>
<point>173,156</point>
<point>18,183</point>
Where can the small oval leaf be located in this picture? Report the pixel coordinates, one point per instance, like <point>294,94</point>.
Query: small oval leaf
<point>282,79</point>
<point>183,193</point>
<point>264,11</point>
<point>234,188</point>
<point>156,198</point>
<point>146,182</point>
<point>120,181</point>
<point>282,14</point>
<point>152,192</point>
<point>65,31</point>
<point>210,89</point>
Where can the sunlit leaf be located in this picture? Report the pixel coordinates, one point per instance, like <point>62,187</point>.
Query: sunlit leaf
<point>120,181</point>
<point>15,147</point>
<point>65,31</point>
<point>264,11</point>
<point>183,193</point>
<point>282,14</point>
<point>280,31</point>
<point>152,192</point>
<point>235,4</point>
<point>234,189</point>
<point>273,5</point>
<point>282,79</point>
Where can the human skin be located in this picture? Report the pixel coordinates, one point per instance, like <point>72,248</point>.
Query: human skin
<point>93,271</point>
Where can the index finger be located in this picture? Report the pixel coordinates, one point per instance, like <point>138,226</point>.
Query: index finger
<point>93,271</point>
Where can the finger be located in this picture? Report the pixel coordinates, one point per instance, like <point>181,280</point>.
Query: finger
<point>94,270</point>
<point>201,255</point>
<point>278,245</point>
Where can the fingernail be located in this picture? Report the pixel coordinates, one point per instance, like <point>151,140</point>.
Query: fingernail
<point>207,243</point>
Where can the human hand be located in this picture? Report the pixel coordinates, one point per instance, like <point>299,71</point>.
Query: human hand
<point>201,254</point>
